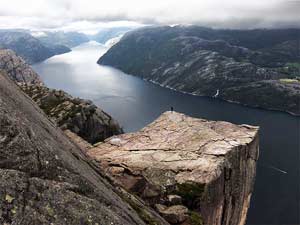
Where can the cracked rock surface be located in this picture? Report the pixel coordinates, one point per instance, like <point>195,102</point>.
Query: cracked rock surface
<point>210,165</point>
<point>44,177</point>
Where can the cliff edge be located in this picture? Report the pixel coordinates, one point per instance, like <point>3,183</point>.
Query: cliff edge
<point>191,170</point>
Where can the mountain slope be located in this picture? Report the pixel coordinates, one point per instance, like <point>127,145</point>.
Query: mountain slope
<point>44,178</point>
<point>17,69</point>
<point>28,47</point>
<point>207,62</point>
<point>106,34</point>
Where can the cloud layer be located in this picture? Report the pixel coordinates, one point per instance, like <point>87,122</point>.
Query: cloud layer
<point>72,14</point>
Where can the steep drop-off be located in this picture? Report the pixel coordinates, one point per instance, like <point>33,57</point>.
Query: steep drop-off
<point>192,171</point>
<point>218,63</point>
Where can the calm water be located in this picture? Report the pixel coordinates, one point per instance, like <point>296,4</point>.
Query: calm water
<point>135,103</point>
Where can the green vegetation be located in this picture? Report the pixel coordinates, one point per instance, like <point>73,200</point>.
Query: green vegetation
<point>190,191</point>
<point>294,65</point>
<point>291,69</point>
<point>287,80</point>
<point>195,218</point>
<point>9,198</point>
<point>144,215</point>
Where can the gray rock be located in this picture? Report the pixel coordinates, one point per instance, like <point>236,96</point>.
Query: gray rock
<point>17,69</point>
<point>80,116</point>
<point>174,214</point>
<point>174,199</point>
<point>46,179</point>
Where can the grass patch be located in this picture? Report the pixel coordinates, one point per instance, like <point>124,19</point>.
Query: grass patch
<point>287,80</point>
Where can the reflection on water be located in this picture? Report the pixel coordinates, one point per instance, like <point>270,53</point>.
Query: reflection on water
<point>134,103</point>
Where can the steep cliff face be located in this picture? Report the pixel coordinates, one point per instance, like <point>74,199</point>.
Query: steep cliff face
<point>17,69</point>
<point>191,170</point>
<point>206,62</point>
<point>80,116</point>
<point>45,178</point>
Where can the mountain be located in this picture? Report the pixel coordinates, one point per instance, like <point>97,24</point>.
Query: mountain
<point>68,39</point>
<point>28,47</point>
<point>228,64</point>
<point>108,33</point>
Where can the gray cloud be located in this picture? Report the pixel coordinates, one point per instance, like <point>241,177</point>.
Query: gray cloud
<point>92,14</point>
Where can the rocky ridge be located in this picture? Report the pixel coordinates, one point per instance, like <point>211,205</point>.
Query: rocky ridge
<point>17,69</point>
<point>80,116</point>
<point>191,170</point>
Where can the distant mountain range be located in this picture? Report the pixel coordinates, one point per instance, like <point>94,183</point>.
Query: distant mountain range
<point>106,34</point>
<point>68,39</point>
<point>35,47</point>
<point>31,49</point>
<point>259,68</point>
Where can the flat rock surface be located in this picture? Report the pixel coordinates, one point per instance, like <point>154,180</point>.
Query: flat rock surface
<point>194,149</point>
<point>209,165</point>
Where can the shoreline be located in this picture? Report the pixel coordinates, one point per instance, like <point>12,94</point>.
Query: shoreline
<point>221,99</point>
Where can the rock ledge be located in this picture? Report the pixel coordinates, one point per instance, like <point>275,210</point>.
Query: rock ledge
<point>210,165</point>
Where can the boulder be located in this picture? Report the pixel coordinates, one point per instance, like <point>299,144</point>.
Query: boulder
<point>174,214</point>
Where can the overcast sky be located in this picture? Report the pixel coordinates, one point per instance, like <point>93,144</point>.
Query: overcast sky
<point>88,15</point>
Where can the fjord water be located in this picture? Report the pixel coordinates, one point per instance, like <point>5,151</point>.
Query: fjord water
<point>135,103</point>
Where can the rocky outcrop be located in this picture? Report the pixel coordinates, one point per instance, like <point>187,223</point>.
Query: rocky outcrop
<point>17,69</point>
<point>46,179</point>
<point>209,62</point>
<point>192,171</point>
<point>80,116</point>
